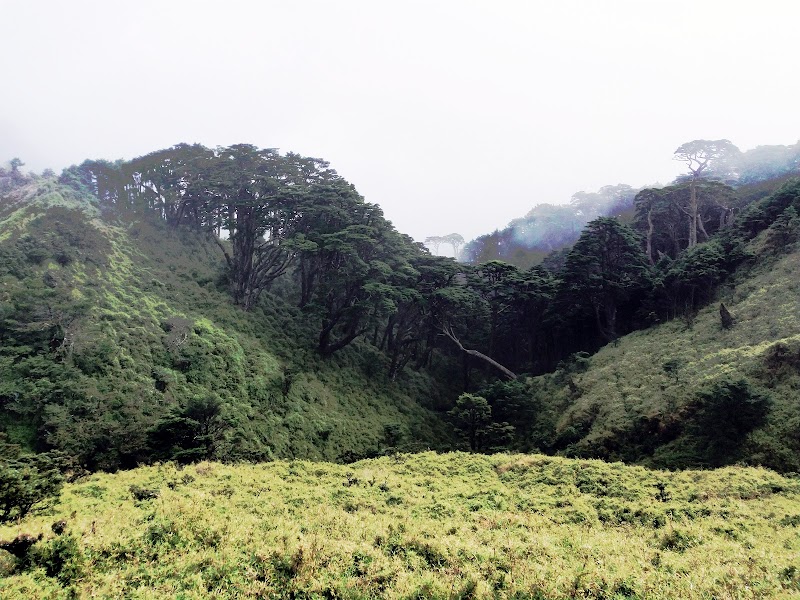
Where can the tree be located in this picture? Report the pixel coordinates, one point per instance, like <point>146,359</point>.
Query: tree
<point>255,192</point>
<point>604,269</point>
<point>496,282</point>
<point>699,156</point>
<point>172,184</point>
<point>691,279</point>
<point>458,310</point>
<point>472,415</point>
<point>434,241</point>
<point>26,481</point>
<point>661,215</point>
<point>348,263</point>
<point>456,240</point>
<point>722,416</point>
<point>192,433</point>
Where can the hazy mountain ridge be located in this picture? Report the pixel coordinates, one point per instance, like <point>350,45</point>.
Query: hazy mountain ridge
<point>549,229</point>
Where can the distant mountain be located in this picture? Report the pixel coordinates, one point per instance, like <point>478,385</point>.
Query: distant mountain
<point>550,228</point>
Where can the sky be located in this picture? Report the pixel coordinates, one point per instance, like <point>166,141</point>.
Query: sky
<point>453,115</point>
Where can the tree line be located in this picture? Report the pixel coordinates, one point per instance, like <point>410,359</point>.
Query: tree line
<point>289,226</point>
<point>551,227</point>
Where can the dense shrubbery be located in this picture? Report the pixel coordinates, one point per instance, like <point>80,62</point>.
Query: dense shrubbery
<point>402,526</point>
<point>27,480</point>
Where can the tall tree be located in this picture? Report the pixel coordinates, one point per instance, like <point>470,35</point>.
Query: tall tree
<point>603,270</point>
<point>434,241</point>
<point>172,183</point>
<point>456,240</point>
<point>661,214</point>
<point>255,194</point>
<point>699,156</point>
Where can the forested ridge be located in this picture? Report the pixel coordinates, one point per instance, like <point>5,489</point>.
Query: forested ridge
<point>545,234</point>
<point>242,304</point>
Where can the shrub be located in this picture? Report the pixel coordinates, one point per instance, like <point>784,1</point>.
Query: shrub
<point>725,414</point>
<point>62,558</point>
<point>26,481</point>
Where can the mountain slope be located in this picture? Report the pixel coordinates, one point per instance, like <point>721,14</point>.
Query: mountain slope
<point>689,391</point>
<point>111,326</point>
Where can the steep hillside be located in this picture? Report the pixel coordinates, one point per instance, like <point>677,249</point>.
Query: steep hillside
<point>413,526</point>
<point>113,328</point>
<point>690,391</point>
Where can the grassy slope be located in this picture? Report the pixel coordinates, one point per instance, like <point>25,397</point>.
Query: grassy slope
<point>420,526</point>
<point>285,401</point>
<point>627,381</point>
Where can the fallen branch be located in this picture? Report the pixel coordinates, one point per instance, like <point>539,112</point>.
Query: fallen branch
<point>448,331</point>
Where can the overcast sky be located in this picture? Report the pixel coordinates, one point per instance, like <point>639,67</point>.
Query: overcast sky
<point>454,116</point>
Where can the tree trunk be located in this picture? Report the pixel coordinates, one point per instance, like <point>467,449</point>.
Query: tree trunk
<point>693,214</point>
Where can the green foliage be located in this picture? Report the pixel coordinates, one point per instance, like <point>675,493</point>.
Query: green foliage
<point>473,419</point>
<point>472,415</point>
<point>403,525</point>
<point>62,558</point>
<point>27,480</point>
<point>604,269</point>
<point>672,367</point>
<point>115,323</point>
<point>192,433</point>
<point>722,417</point>
<point>784,231</point>
<point>98,352</point>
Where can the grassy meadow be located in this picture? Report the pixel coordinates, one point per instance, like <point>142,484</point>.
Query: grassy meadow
<point>415,526</point>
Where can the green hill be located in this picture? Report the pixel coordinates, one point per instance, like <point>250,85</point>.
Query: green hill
<point>120,346</point>
<point>128,339</point>
<point>414,526</point>
<point>112,324</point>
<point>690,391</point>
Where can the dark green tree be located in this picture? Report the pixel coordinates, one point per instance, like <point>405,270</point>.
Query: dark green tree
<point>191,433</point>
<point>472,415</point>
<point>700,156</point>
<point>604,269</point>
<point>26,480</point>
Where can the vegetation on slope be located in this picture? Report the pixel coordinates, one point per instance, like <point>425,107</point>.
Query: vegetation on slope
<point>693,391</point>
<point>113,329</point>
<point>414,526</point>
<point>133,330</point>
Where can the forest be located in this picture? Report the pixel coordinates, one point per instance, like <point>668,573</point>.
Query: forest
<point>548,228</point>
<point>285,234</point>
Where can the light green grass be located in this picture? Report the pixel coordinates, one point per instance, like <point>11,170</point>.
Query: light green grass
<point>426,526</point>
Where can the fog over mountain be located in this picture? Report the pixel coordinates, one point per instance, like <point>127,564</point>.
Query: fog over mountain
<point>453,116</point>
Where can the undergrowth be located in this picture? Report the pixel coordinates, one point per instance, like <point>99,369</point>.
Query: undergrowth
<point>415,526</point>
